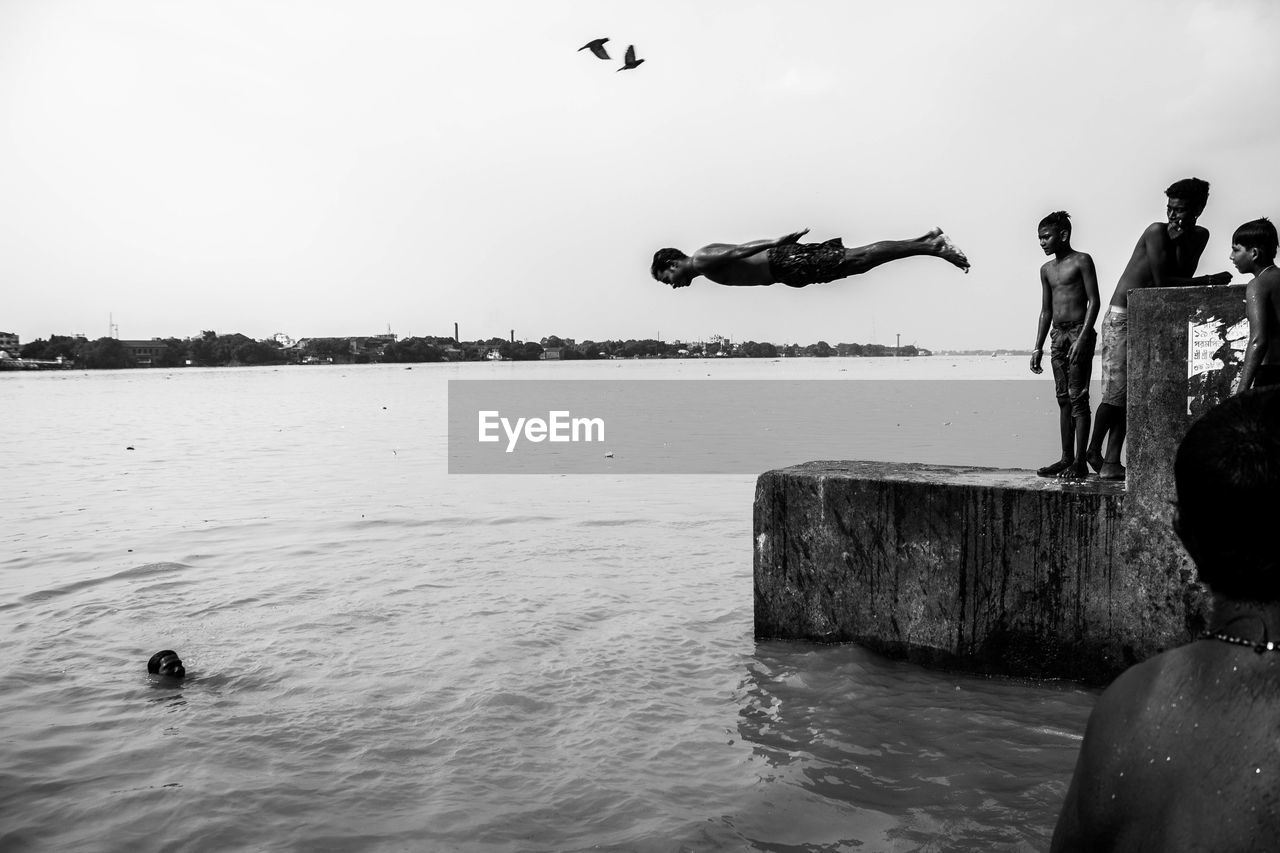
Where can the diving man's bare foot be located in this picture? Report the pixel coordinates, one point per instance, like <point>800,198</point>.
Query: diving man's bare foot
<point>1111,471</point>
<point>1074,471</point>
<point>1055,469</point>
<point>1095,460</point>
<point>947,250</point>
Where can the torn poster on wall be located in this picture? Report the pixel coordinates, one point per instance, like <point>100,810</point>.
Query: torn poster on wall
<point>1215,351</point>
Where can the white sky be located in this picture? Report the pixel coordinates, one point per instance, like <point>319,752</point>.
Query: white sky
<point>329,167</point>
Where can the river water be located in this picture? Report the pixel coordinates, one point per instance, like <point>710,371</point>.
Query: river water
<point>384,656</point>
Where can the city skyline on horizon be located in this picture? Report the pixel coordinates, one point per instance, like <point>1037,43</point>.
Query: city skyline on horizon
<point>401,336</point>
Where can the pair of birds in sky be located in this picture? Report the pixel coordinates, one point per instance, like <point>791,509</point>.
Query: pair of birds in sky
<point>596,46</point>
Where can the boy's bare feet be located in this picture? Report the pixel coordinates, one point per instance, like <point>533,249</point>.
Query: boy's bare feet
<point>947,250</point>
<point>1054,470</point>
<point>1111,471</point>
<point>1075,471</point>
<point>1095,460</point>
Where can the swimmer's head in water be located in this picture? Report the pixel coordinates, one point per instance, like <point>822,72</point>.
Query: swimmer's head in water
<point>166,662</point>
<point>1227,472</point>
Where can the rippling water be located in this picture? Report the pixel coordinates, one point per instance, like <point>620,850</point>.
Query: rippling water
<point>385,657</point>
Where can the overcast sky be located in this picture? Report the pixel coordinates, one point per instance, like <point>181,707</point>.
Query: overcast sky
<point>331,168</point>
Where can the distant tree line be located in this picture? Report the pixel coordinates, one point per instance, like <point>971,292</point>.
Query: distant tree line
<point>210,349</point>
<point>651,348</point>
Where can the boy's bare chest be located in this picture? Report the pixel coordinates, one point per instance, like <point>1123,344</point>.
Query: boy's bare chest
<point>1064,274</point>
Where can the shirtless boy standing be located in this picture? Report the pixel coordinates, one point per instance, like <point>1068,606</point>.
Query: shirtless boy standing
<point>1166,256</point>
<point>1069,299</point>
<point>788,261</point>
<point>1253,251</point>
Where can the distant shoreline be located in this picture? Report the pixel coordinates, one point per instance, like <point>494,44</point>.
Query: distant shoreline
<point>232,350</point>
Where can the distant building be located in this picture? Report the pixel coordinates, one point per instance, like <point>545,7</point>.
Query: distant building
<point>9,344</point>
<point>147,353</point>
<point>553,353</point>
<point>371,344</point>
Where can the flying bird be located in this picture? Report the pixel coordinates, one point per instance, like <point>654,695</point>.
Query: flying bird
<point>597,47</point>
<point>631,61</point>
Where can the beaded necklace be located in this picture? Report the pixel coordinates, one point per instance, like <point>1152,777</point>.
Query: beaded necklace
<point>1264,646</point>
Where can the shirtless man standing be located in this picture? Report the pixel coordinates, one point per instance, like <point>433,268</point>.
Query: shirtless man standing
<point>788,261</point>
<point>1166,256</point>
<point>1181,752</point>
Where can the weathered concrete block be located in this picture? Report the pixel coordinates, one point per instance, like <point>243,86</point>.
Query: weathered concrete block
<point>977,567</point>
<point>1185,351</point>
<point>1000,570</point>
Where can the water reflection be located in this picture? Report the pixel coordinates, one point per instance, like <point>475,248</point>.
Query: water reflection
<point>887,755</point>
<point>169,691</point>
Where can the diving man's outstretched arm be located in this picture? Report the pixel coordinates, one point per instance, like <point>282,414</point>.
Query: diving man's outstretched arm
<point>713,257</point>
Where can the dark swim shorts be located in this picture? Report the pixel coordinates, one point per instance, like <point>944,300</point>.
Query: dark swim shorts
<point>1071,381</point>
<point>798,264</point>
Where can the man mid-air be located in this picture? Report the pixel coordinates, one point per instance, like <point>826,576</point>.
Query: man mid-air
<point>795,264</point>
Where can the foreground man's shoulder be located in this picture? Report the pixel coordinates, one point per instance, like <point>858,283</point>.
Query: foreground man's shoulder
<point>1131,696</point>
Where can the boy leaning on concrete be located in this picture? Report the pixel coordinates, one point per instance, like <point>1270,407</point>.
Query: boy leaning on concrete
<point>1068,306</point>
<point>1166,255</point>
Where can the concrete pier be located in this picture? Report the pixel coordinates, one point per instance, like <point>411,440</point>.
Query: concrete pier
<point>999,570</point>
